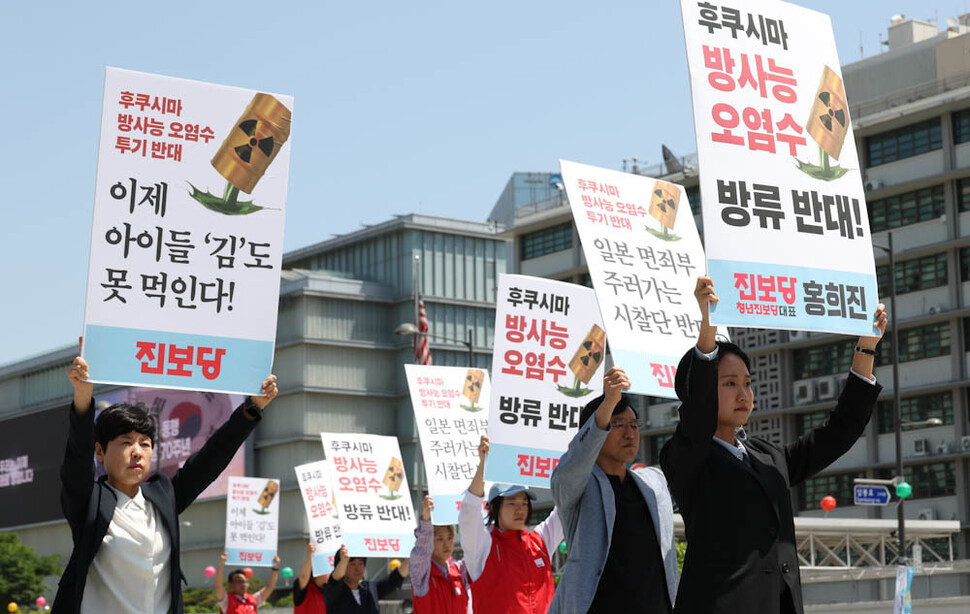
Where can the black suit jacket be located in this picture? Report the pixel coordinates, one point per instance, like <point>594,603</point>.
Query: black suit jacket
<point>741,554</point>
<point>89,505</point>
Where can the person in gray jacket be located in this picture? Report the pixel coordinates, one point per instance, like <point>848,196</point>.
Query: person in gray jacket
<point>618,524</point>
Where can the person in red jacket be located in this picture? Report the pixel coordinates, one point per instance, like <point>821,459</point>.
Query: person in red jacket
<point>238,600</point>
<point>509,567</point>
<point>437,587</point>
<point>307,595</point>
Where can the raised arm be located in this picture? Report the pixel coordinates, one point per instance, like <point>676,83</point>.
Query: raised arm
<point>306,570</point>
<point>77,470</point>
<point>820,447</point>
<point>550,530</point>
<point>392,581</point>
<point>571,474</point>
<point>685,454</point>
<point>266,591</point>
<point>204,466</point>
<point>220,578</point>
<point>476,541</point>
<point>421,552</point>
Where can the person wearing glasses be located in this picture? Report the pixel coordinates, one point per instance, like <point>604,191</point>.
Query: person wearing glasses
<point>619,525</point>
<point>735,491</point>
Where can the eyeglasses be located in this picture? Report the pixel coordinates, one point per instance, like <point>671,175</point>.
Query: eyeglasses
<point>633,426</point>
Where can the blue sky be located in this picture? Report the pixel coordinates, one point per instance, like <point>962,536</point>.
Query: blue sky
<point>424,107</point>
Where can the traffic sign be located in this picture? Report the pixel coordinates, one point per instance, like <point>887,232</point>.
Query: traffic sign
<point>865,494</point>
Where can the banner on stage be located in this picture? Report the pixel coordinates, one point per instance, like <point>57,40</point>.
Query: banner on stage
<point>785,221</point>
<point>451,408</point>
<point>547,363</point>
<point>252,521</point>
<point>372,494</point>
<point>316,488</point>
<point>187,236</point>
<point>644,256</point>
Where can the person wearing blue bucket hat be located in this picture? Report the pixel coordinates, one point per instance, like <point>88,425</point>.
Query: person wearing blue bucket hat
<point>509,566</point>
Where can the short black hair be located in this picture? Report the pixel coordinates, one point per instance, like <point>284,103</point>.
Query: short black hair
<point>122,418</point>
<point>234,572</point>
<point>591,407</point>
<point>496,504</point>
<point>726,347</point>
<point>336,559</point>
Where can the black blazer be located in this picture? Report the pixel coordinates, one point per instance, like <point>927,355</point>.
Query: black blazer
<point>741,554</point>
<point>89,505</point>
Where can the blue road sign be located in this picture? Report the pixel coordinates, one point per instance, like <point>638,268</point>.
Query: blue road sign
<point>864,494</point>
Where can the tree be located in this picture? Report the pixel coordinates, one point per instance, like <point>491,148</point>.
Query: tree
<point>22,571</point>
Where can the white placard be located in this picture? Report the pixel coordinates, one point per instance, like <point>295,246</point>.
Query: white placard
<point>451,408</point>
<point>372,493</point>
<point>321,513</point>
<point>547,363</point>
<point>252,521</point>
<point>187,236</point>
<point>785,222</point>
<point>644,256</point>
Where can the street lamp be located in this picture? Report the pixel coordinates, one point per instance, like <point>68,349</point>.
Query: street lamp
<point>408,329</point>
<point>897,405</point>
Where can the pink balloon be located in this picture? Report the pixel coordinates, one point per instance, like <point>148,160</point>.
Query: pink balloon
<point>41,601</point>
<point>210,571</point>
<point>248,572</point>
<point>828,503</point>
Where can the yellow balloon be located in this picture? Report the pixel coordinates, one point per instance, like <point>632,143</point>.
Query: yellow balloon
<point>394,565</point>
<point>12,607</point>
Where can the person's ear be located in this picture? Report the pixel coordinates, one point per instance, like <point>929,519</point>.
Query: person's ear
<point>99,452</point>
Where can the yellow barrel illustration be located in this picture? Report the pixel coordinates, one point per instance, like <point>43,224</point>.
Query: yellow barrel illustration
<point>269,491</point>
<point>394,476</point>
<point>664,199</point>
<point>473,385</point>
<point>589,355</point>
<point>828,123</point>
<point>253,142</point>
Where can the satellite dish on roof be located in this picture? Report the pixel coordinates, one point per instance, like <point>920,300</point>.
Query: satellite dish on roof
<point>951,22</point>
<point>897,19</point>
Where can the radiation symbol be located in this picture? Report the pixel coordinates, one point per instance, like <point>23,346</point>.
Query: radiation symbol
<point>838,114</point>
<point>591,355</point>
<point>265,144</point>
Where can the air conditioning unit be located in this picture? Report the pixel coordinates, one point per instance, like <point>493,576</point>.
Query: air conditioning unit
<point>674,415</point>
<point>934,309</point>
<point>803,392</point>
<point>921,447</point>
<point>874,185</point>
<point>796,335</point>
<point>927,513</point>
<point>965,444</point>
<point>943,448</point>
<point>827,387</point>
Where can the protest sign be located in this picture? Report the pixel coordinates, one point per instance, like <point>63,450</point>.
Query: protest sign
<point>372,494</point>
<point>451,407</point>
<point>785,222</point>
<point>316,488</point>
<point>183,284</point>
<point>644,256</point>
<point>547,363</point>
<point>252,521</point>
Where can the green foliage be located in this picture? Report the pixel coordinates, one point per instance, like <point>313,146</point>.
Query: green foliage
<point>681,552</point>
<point>22,572</point>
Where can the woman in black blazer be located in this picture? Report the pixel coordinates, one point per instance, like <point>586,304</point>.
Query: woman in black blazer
<point>735,497</point>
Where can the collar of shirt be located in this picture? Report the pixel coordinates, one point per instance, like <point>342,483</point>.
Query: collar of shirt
<point>125,502</point>
<point>738,451</point>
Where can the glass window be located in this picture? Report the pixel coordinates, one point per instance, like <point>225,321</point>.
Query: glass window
<point>823,359</point>
<point>838,485</point>
<point>656,444</point>
<point>961,126</point>
<point>905,142</point>
<point>905,209</point>
<point>806,422</point>
<point>917,343</point>
<point>547,241</point>
<point>916,274</point>
<point>928,480</point>
<point>916,409</point>
<point>694,197</point>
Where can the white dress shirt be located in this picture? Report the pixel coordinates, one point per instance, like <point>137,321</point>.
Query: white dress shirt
<point>130,574</point>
